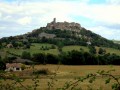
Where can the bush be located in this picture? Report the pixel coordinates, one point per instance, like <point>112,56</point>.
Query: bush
<point>43,71</point>
<point>26,55</point>
<point>53,47</point>
<point>39,58</point>
<point>2,65</point>
<point>51,59</point>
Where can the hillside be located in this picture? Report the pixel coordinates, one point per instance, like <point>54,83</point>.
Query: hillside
<point>116,41</point>
<point>63,32</point>
<point>37,48</point>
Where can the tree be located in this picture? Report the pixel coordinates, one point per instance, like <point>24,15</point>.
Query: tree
<point>0,45</point>
<point>92,50</point>
<point>101,51</point>
<point>51,59</point>
<point>60,46</point>
<point>26,55</point>
<point>39,57</point>
<point>53,47</point>
<point>14,43</point>
<point>0,58</point>
<point>73,58</point>
<point>2,65</point>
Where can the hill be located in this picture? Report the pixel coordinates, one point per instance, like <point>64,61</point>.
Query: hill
<point>64,32</point>
<point>47,48</point>
<point>116,41</point>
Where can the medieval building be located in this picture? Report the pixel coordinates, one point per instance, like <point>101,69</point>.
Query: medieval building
<point>63,25</point>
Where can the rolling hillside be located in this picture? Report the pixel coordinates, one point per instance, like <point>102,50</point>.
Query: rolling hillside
<point>65,32</point>
<point>36,48</point>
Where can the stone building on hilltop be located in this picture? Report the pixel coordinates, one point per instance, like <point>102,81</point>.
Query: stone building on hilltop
<point>63,25</point>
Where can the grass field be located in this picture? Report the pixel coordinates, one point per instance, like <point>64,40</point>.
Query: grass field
<point>67,73</point>
<point>35,48</point>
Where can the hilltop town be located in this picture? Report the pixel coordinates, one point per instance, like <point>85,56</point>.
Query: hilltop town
<point>63,26</point>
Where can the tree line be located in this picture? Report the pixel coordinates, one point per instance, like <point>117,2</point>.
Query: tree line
<point>75,57</point>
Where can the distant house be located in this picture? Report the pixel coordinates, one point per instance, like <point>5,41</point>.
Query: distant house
<point>9,46</point>
<point>46,35</point>
<point>88,43</point>
<point>13,67</point>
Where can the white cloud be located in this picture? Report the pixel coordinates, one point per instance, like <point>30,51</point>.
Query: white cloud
<point>103,13</point>
<point>63,10</point>
<point>2,27</point>
<point>7,17</point>
<point>24,21</point>
<point>113,2</point>
<point>106,32</point>
<point>37,14</point>
<point>0,15</point>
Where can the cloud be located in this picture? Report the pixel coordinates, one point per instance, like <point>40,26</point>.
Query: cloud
<point>24,21</point>
<point>37,13</point>
<point>116,2</point>
<point>108,33</point>
<point>102,13</point>
<point>64,9</point>
<point>0,15</point>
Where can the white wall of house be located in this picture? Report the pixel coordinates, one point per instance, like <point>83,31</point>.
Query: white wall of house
<point>13,69</point>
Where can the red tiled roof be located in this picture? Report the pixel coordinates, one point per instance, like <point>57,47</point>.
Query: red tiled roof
<point>17,65</point>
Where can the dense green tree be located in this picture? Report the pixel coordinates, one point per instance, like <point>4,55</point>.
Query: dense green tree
<point>0,58</point>
<point>26,55</point>
<point>14,43</point>
<point>2,65</point>
<point>92,50</point>
<point>51,59</point>
<point>39,58</point>
<point>101,51</point>
<point>44,39</point>
<point>10,59</point>
<point>53,47</point>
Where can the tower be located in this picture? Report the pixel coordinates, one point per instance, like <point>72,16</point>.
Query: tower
<point>54,20</point>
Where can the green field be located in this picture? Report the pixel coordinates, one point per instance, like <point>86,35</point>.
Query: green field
<point>35,48</point>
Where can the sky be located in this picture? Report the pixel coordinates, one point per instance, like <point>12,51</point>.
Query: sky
<point>22,16</point>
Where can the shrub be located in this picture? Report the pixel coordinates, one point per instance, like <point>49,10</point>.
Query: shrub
<point>26,55</point>
<point>43,71</point>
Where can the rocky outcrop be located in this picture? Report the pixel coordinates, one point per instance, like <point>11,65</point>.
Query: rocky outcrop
<point>64,25</point>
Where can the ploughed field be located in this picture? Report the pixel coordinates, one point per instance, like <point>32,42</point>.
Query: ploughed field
<point>62,74</point>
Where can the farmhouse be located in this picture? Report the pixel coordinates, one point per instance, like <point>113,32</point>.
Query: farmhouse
<point>13,67</point>
<point>88,43</point>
